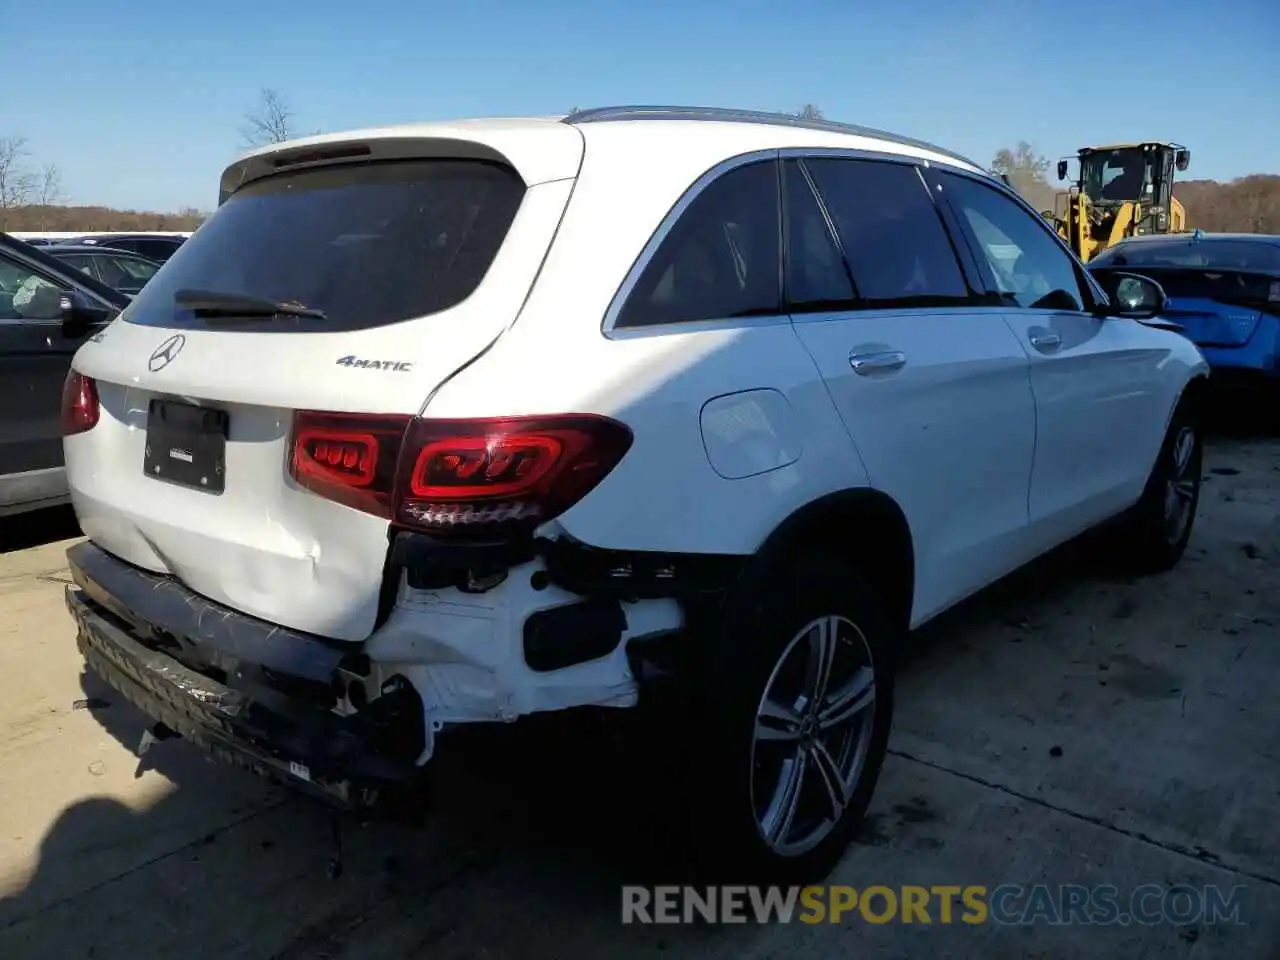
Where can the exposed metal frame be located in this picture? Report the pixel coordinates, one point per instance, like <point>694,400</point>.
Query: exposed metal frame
<point>734,115</point>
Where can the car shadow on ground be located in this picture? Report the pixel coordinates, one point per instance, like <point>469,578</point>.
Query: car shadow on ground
<point>567,808</point>
<point>26,530</point>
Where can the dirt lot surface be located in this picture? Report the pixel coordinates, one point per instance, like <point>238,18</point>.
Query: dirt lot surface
<point>1068,727</point>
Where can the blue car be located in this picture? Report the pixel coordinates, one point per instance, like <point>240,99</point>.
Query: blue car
<point>1224,291</point>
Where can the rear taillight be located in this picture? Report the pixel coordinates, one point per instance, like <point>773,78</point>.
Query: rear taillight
<point>80,409</point>
<point>457,478</point>
<point>348,458</point>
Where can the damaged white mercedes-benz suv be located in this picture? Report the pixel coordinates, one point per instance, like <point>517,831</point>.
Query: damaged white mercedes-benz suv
<point>455,423</point>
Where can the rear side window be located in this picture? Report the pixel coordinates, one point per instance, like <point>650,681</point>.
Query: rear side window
<point>893,238</point>
<point>720,260</point>
<point>368,244</point>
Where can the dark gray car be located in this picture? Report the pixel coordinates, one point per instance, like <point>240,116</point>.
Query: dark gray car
<point>47,309</point>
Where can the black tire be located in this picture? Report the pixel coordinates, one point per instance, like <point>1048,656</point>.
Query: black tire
<point>1151,540</point>
<point>727,771</point>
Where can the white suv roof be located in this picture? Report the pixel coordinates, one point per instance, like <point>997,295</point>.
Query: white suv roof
<point>542,149</point>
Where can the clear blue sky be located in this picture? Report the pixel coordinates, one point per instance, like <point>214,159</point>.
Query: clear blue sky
<point>140,102</point>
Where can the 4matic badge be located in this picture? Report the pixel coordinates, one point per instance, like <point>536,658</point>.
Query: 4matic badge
<point>397,366</point>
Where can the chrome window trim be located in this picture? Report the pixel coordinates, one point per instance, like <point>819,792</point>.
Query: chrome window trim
<point>735,115</point>
<point>609,326</point>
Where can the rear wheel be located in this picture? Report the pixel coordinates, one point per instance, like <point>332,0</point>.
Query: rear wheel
<point>794,721</point>
<point>1157,529</point>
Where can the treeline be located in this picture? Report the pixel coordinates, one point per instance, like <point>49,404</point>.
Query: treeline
<point>32,200</point>
<point>1245,205</point>
<point>66,219</point>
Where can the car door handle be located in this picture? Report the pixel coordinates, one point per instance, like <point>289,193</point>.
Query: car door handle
<point>885,361</point>
<point>1046,341</point>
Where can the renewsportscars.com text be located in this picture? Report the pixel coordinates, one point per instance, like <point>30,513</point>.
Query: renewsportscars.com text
<point>1010,904</point>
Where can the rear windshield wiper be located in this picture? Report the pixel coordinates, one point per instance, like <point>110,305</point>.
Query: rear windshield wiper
<point>210,303</point>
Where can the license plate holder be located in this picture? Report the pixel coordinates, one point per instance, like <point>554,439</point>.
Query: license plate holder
<point>186,445</point>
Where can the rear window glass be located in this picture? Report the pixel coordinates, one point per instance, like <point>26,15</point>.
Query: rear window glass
<point>369,245</point>
<point>1223,254</point>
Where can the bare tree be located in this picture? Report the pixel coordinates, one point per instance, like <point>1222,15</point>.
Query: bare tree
<point>17,182</point>
<point>271,121</point>
<point>1027,172</point>
<point>49,191</point>
<point>810,111</point>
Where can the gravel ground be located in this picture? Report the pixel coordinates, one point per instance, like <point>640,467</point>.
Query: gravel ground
<point>1067,727</point>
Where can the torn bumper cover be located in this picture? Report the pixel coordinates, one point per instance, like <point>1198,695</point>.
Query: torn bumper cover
<point>246,691</point>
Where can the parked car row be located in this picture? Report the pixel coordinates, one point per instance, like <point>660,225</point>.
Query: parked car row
<point>154,246</point>
<point>54,293</point>
<point>117,268</point>
<point>47,309</point>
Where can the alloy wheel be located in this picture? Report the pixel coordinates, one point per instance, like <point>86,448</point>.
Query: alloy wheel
<point>1180,489</point>
<point>812,730</point>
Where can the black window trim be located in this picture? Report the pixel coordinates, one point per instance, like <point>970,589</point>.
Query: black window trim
<point>792,308</point>
<point>1094,298</point>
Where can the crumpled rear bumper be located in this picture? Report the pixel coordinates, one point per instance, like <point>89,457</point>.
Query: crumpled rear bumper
<point>249,693</point>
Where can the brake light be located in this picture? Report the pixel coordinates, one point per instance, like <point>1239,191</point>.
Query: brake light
<point>80,409</point>
<point>457,478</point>
<point>348,458</point>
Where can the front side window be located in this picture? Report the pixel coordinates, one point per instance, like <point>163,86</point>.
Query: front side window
<point>720,260</point>
<point>25,295</point>
<point>892,235</point>
<point>1028,268</point>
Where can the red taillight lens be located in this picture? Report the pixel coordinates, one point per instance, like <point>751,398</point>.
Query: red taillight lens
<point>348,458</point>
<point>462,478</point>
<point>80,410</point>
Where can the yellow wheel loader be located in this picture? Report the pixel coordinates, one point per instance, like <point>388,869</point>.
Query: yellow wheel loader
<point>1120,191</point>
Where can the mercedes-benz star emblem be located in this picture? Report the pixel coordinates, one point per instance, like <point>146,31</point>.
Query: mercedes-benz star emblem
<point>166,352</point>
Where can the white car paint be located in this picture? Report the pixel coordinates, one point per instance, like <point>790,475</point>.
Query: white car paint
<point>992,455</point>
<point>955,425</point>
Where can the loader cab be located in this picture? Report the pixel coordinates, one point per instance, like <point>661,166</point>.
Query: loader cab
<point>1143,173</point>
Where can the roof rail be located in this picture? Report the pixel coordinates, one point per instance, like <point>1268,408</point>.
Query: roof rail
<point>733,115</point>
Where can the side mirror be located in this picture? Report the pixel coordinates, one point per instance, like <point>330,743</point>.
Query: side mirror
<point>1062,169</point>
<point>1182,159</point>
<point>1132,296</point>
<point>79,314</point>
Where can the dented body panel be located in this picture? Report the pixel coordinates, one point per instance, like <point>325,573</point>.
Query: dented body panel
<point>264,545</point>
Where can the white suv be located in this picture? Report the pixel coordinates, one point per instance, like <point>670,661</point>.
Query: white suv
<point>453,423</point>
